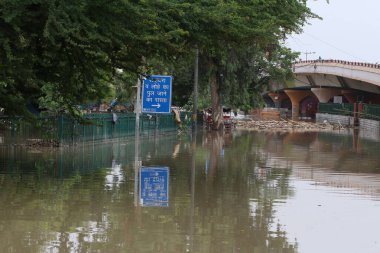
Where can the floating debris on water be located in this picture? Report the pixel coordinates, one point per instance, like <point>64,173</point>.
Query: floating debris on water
<point>287,125</point>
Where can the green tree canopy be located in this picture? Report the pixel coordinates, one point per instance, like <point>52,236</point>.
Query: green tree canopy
<point>62,53</point>
<point>240,43</point>
<point>58,54</point>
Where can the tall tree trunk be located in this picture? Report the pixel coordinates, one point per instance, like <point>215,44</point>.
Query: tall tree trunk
<point>217,112</point>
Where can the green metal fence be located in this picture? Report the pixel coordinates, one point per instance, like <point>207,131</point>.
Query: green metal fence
<point>369,111</point>
<point>94,127</point>
<point>338,109</point>
<point>100,126</point>
<point>15,130</point>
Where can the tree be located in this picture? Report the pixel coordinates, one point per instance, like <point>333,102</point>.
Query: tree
<point>57,54</point>
<point>51,51</point>
<point>249,72</point>
<point>223,29</point>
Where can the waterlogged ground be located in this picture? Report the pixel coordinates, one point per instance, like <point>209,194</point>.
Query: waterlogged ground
<point>242,192</point>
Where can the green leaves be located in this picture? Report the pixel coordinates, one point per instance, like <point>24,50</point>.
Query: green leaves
<point>59,43</point>
<point>57,54</point>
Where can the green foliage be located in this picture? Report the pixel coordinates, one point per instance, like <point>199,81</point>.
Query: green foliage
<point>122,86</point>
<point>50,47</point>
<point>247,73</point>
<point>58,54</point>
<point>240,46</point>
<point>71,48</point>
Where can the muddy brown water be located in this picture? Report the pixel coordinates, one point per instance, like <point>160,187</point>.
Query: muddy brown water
<point>242,192</point>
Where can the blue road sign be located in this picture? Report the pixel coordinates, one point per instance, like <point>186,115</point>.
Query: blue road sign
<point>154,186</point>
<point>157,94</point>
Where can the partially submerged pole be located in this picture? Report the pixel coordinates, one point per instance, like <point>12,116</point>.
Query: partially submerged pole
<point>138,105</point>
<point>195,105</point>
<point>137,141</point>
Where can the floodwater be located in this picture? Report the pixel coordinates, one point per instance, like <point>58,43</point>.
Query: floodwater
<point>241,192</point>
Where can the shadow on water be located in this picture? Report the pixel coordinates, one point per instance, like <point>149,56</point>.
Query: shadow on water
<point>222,191</point>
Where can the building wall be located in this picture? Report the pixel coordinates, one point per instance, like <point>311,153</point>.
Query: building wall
<point>372,125</point>
<point>369,129</point>
<point>334,119</point>
<point>365,124</point>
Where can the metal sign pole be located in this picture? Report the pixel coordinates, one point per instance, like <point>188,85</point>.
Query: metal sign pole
<point>195,105</point>
<point>138,105</point>
<point>137,141</point>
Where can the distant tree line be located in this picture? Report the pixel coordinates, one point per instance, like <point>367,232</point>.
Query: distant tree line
<point>56,54</point>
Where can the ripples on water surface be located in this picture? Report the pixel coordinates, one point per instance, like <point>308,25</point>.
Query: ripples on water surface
<point>244,192</point>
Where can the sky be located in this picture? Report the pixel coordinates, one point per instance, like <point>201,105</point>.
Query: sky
<point>349,30</point>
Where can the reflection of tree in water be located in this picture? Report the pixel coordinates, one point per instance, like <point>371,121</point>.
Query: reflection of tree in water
<point>56,201</point>
<point>233,209</point>
<point>236,207</point>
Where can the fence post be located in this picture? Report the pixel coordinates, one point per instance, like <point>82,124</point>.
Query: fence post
<point>60,129</point>
<point>360,109</point>
<point>356,113</point>
<point>157,122</point>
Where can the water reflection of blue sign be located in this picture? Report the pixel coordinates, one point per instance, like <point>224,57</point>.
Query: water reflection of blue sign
<point>154,186</point>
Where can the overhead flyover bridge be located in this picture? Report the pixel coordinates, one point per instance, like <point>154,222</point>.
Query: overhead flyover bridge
<point>333,85</point>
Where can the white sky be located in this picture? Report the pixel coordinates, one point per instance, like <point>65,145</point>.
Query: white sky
<point>350,30</point>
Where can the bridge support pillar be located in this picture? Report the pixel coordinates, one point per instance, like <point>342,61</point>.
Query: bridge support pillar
<point>277,98</point>
<point>296,96</point>
<point>325,94</point>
